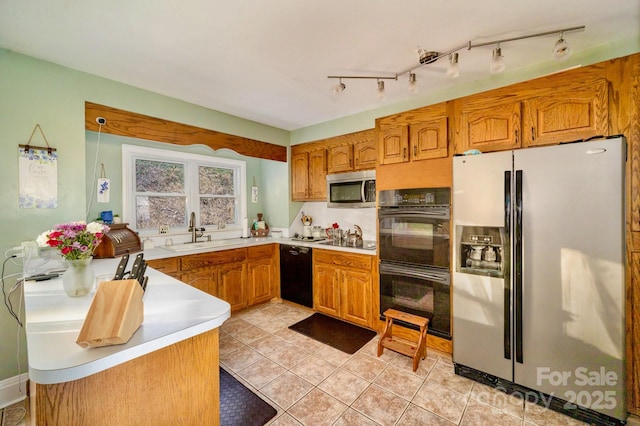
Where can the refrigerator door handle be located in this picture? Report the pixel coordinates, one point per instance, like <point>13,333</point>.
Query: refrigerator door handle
<point>507,279</point>
<point>517,265</point>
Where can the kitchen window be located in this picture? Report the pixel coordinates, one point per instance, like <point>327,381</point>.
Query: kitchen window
<point>163,187</point>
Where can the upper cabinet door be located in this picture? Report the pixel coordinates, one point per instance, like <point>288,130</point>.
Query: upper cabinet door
<point>299,176</point>
<point>340,159</point>
<point>490,127</point>
<point>365,154</point>
<point>318,175</point>
<point>567,114</point>
<point>428,139</point>
<point>393,144</point>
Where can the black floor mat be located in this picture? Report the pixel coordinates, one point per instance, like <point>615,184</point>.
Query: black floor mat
<point>239,406</point>
<point>334,332</point>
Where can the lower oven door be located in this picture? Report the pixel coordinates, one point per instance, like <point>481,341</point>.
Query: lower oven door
<point>420,291</point>
<point>418,235</point>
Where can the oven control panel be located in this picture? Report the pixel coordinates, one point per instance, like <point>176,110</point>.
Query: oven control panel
<point>414,197</point>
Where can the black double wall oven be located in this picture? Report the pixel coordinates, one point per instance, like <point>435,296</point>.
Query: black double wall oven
<point>414,248</point>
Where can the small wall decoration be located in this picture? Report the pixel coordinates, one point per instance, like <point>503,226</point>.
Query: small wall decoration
<point>104,186</point>
<point>38,175</point>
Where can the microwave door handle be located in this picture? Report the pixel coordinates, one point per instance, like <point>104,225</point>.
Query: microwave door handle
<point>362,188</point>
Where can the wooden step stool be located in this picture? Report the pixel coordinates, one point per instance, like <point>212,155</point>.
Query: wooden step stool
<point>415,351</point>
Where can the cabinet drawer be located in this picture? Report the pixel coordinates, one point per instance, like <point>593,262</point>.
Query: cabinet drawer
<point>359,261</point>
<point>204,260</point>
<point>166,266</point>
<point>260,251</point>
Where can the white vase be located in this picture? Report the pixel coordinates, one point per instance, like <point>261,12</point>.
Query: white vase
<point>79,278</point>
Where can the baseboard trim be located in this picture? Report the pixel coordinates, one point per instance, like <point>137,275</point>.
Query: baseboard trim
<point>14,389</point>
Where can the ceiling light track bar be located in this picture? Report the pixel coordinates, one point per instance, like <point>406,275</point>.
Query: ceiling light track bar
<point>469,45</point>
<point>505,40</point>
<point>370,77</point>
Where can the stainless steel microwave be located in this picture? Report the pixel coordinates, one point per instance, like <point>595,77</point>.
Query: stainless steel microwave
<point>349,190</point>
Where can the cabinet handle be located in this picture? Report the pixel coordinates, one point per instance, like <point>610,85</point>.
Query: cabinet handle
<point>516,134</point>
<point>533,133</point>
<point>415,151</point>
<point>404,152</point>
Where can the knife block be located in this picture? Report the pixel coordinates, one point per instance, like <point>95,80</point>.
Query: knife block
<point>116,312</point>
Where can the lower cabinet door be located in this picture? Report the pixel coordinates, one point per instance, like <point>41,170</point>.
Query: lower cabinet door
<point>261,275</point>
<point>232,285</point>
<point>355,297</point>
<point>204,280</point>
<point>326,289</point>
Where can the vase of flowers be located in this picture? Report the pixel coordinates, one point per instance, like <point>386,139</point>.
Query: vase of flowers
<point>76,242</point>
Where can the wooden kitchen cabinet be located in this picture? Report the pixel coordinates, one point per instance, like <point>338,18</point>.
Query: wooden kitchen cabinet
<point>205,280</point>
<point>308,174</point>
<point>232,284</point>
<point>242,277</point>
<point>566,114</point>
<point>342,285</point>
<point>357,152</point>
<point>413,136</point>
<point>365,153</point>
<point>219,273</point>
<point>262,274</point>
<point>169,266</point>
<point>490,126</point>
<point>340,159</point>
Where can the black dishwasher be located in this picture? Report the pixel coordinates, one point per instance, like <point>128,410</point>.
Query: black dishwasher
<point>295,275</point>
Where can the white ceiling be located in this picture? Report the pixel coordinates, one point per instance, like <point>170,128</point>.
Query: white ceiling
<point>268,61</point>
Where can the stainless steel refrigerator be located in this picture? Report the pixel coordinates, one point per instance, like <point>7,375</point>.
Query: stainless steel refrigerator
<point>539,277</point>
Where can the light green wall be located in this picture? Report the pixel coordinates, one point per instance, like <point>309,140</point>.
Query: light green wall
<point>272,198</point>
<point>34,91</point>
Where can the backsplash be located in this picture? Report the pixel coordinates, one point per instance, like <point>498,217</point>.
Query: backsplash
<point>323,216</point>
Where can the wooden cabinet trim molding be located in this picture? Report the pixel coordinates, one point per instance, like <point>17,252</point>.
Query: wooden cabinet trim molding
<point>130,124</point>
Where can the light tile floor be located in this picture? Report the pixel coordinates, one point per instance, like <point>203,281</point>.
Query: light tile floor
<point>310,383</point>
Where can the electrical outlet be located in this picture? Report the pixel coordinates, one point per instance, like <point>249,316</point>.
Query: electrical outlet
<point>164,229</point>
<point>30,248</point>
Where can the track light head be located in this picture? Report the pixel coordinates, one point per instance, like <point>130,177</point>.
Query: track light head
<point>561,50</point>
<point>453,70</point>
<point>338,88</point>
<point>497,63</point>
<point>381,93</point>
<point>413,86</point>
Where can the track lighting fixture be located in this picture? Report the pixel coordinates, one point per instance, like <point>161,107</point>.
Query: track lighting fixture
<point>453,70</point>
<point>497,62</point>
<point>337,90</point>
<point>413,86</point>
<point>560,51</point>
<point>381,94</point>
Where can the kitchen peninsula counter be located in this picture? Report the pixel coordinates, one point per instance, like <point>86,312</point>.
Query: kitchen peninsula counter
<point>167,370</point>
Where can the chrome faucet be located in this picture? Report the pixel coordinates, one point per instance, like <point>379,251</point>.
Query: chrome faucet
<point>194,231</point>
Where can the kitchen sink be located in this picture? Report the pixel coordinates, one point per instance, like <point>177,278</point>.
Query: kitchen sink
<point>202,245</point>
<point>367,245</point>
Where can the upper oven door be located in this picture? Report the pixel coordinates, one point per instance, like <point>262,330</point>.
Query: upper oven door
<point>417,235</point>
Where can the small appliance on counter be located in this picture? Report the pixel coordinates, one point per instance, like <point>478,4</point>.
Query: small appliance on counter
<point>118,241</point>
<point>306,226</point>
<point>260,227</point>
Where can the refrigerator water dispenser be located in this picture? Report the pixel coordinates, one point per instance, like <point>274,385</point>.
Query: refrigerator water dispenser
<point>480,250</point>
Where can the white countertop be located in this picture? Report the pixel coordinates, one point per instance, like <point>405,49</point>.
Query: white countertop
<point>173,311</point>
<point>160,252</point>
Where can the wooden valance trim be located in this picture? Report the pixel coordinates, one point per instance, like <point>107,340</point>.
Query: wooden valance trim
<point>125,123</point>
